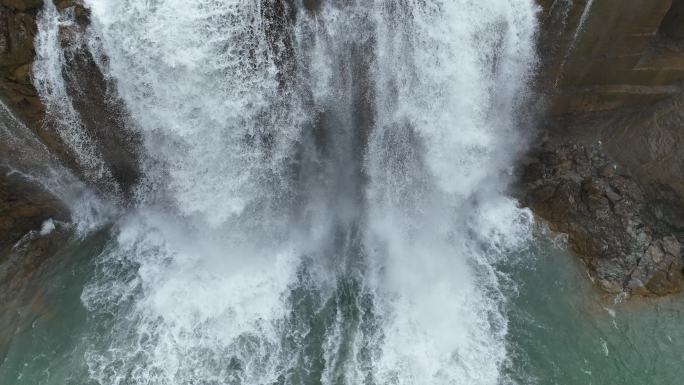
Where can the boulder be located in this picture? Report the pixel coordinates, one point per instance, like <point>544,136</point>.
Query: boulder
<point>607,162</point>
<point>611,224</point>
<point>102,114</point>
<point>24,207</point>
<point>22,5</point>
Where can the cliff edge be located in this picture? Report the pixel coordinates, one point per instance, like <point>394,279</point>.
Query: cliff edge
<point>607,163</point>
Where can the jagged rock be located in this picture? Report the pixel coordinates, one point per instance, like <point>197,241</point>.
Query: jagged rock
<point>17,33</point>
<point>101,112</point>
<point>22,5</point>
<point>24,206</point>
<point>22,267</point>
<point>608,163</point>
<point>659,271</point>
<point>578,190</point>
<point>81,13</point>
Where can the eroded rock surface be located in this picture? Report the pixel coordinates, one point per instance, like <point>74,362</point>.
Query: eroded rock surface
<point>17,33</point>
<point>608,219</point>
<point>100,111</point>
<point>25,269</point>
<point>607,165</point>
<point>24,207</point>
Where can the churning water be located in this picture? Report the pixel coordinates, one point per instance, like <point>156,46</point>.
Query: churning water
<point>322,194</point>
<point>321,197</point>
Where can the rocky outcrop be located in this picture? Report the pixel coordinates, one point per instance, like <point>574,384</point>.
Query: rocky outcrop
<point>101,113</point>
<point>24,206</point>
<point>17,34</point>
<point>28,282</point>
<point>609,221</point>
<point>607,166</point>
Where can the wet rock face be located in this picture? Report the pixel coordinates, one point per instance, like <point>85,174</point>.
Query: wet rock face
<point>672,26</point>
<point>660,270</point>
<point>22,281</point>
<point>606,55</point>
<point>22,5</point>
<point>24,206</point>
<point>607,166</point>
<point>17,32</point>
<point>312,5</point>
<point>101,113</point>
<point>610,223</point>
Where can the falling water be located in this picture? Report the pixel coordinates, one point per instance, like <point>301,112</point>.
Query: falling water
<point>49,81</point>
<point>322,198</point>
<point>23,153</point>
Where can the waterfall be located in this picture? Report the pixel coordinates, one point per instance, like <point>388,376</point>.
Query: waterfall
<point>323,188</point>
<point>49,81</point>
<point>24,154</point>
<point>450,76</point>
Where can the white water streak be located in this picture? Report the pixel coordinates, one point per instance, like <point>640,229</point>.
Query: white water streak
<point>203,278</point>
<point>27,156</point>
<point>60,113</point>
<point>200,82</point>
<point>452,77</point>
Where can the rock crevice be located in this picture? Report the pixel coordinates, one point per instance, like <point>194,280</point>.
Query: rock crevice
<point>607,165</point>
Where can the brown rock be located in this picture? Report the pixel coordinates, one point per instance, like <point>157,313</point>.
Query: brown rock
<point>81,13</point>
<point>101,112</point>
<point>102,115</point>
<point>660,270</point>
<point>17,34</point>
<point>671,246</point>
<point>24,206</point>
<point>22,282</point>
<point>609,172</point>
<point>22,74</point>
<point>22,5</point>
<point>312,5</point>
<point>19,30</point>
<point>608,219</point>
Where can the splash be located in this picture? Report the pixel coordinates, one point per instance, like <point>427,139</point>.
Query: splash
<point>323,190</point>
<point>450,81</point>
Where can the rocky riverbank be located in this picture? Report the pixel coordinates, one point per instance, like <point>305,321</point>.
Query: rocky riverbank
<point>607,163</point>
<point>611,222</point>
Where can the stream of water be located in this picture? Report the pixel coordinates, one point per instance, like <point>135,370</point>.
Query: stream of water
<point>322,201</point>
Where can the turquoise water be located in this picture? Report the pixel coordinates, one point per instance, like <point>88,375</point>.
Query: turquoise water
<point>561,330</point>
<point>564,331</point>
<point>49,349</point>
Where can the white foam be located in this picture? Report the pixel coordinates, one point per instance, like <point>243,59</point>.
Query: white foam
<point>60,113</point>
<point>47,227</point>
<point>200,82</point>
<point>201,272</point>
<point>452,75</point>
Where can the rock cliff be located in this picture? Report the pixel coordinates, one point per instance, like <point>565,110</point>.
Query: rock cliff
<point>93,99</point>
<point>607,163</point>
<point>24,204</point>
<point>17,34</point>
